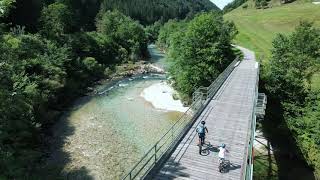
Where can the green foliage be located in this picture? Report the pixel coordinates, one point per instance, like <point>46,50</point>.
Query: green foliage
<point>92,66</point>
<point>258,28</point>
<point>245,6</point>
<point>292,66</point>
<point>261,3</point>
<point>305,128</point>
<point>126,32</point>
<point>32,71</point>
<point>51,50</point>
<point>5,6</point>
<point>150,11</point>
<point>293,63</point>
<point>234,5</point>
<point>201,52</point>
<point>166,32</point>
<point>56,20</point>
<point>25,13</point>
<point>84,13</point>
<point>93,44</point>
<point>152,31</point>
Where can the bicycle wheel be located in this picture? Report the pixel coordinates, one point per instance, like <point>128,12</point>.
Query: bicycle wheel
<point>220,168</point>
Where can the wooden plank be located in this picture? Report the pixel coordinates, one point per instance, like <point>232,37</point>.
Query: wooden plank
<point>228,118</point>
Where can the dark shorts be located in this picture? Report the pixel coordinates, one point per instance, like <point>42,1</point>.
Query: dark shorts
<point>201,135</point>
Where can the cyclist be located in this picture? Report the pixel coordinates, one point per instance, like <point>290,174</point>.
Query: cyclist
<point>201,130</point>
<point>222,152</point>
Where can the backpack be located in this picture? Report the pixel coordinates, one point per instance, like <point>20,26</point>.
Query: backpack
<point>201,129</point>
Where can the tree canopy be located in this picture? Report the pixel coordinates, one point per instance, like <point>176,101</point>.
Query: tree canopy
<point>52,50</point>
<point>150,11</point>
<point>233,5</point>
<point>294,62</point>
<point>198,50</point>
<point>45,65</point>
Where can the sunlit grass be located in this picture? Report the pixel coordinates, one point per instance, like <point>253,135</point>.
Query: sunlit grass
<point>257,28</point>
<point>265,166</point>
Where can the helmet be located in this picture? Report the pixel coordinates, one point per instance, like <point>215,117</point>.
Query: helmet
<point>223,145</point>
<point>203,122</point>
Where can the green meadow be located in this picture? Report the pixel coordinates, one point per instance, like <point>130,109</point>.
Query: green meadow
<point>258,27</point>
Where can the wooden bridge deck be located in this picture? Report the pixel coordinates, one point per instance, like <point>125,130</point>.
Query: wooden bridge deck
<point>228,117</point>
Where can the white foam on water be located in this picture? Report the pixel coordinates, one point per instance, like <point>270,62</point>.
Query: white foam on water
<point>123,85</point>
<point>160,96</point>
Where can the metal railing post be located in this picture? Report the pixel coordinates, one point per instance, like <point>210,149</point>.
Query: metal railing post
<point>172,134</point>
<point>155,154</point>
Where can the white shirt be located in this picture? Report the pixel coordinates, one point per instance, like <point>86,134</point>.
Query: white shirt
<point>222,152</point>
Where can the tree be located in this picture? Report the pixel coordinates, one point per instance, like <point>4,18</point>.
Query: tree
<point>200,53</point>
<point>56,20</point>
<point>233,5</point>
<point>149,11</point>
<point>31,72</point>
<point>5,5</point>
<point>25,13</point>
<point>152,31</point>
<point>126,32</point>
<point>291,67</point>
<point>84,13</point>
<point>168,29</point>
<point>293,63</point>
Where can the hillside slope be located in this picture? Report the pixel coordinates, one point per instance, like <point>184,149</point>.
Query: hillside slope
<point>257,27</point>
<point>257,30</point>
<point>149,11</point>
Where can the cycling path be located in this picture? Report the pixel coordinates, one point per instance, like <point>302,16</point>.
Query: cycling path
<point>228,118</point>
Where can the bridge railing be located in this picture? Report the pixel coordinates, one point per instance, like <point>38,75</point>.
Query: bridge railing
<point>163,145</point>
<point>248,173</point>
<point>208,92</point>
<point>169,140</point>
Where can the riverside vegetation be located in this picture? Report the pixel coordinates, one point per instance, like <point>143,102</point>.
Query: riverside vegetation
<point>288,45</point>
<point>50,51</point>
<point>198,50</point>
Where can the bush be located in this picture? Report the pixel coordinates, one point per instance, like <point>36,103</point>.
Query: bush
<point>92,66</point>
<point>126,32</point>
<point>201,53</point>
<point>56,20</point>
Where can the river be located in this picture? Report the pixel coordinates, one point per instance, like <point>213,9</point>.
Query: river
<point>103,136</point>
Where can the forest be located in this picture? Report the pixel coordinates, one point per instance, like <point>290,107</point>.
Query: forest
<point>51,51</point>
<point>149,11</point>
<point>289,86</point>
<point>42,72</point>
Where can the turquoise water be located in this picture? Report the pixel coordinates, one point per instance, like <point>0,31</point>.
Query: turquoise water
<point>158,57</point>
<point>108,133</point>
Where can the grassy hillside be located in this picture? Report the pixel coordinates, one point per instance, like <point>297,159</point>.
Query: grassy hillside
<point>258,27</point>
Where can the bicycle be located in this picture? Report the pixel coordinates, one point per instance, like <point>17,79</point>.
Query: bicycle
<point>202,138</point>
<point>224,166</point>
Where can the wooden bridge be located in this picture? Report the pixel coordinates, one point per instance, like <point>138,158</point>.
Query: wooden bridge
<point>229,108</point>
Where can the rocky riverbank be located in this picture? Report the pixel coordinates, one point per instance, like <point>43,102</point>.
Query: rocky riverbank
<point>125,71</point>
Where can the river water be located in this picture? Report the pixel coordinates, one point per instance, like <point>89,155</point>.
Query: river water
<point>108,133</point>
